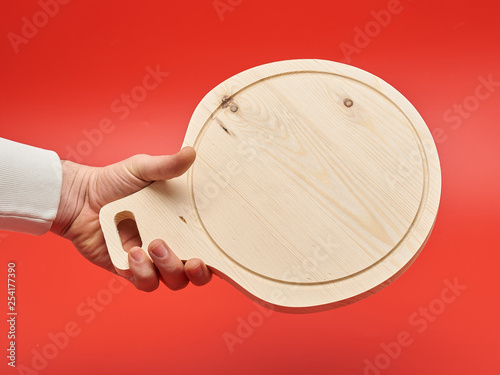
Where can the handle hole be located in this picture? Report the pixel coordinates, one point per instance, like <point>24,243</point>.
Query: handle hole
<point>127,229</point>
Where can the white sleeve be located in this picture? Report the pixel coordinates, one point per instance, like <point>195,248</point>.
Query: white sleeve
<point>30,187</point>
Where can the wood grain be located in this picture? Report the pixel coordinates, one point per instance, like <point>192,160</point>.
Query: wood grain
<point>315,184</point>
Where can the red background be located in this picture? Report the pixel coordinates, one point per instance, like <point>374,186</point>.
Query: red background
<point>63,81</point>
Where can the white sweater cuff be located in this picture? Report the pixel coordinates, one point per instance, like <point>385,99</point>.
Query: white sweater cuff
<point>30,187</point>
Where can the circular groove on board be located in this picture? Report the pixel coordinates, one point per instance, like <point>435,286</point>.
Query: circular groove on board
<point>255,235</point>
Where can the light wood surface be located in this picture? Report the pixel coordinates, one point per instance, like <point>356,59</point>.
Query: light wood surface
<point>315,185</point>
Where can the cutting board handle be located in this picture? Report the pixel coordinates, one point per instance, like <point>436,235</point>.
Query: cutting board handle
<point>110,216</point>
<point>162,210</point>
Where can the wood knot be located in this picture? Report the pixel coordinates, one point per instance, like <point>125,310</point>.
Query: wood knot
<point>227,101</point>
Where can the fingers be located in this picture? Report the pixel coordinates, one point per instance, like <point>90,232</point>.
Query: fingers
<point>170,267</point>
<point>144,275</point>
<point>197,272</point>
<point>165,266</point>
<point>154,168</point>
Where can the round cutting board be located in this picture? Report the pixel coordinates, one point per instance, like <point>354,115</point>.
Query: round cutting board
<point>315,184</point>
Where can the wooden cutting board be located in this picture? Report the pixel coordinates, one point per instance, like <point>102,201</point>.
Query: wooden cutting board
<point>315,185</point>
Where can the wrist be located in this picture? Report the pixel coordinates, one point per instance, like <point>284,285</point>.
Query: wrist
<point>74,192</point>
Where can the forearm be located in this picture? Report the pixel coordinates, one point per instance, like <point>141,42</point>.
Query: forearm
<point>30,186</point>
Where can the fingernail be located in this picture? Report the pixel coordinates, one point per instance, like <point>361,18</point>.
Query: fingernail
<point>136,255</point>
<point>197,271</point>
<point>160,250</point>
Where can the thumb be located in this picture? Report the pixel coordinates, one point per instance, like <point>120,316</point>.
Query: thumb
<point>165,167</point>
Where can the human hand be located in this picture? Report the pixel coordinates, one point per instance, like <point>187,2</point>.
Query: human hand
<point>85,190</point>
